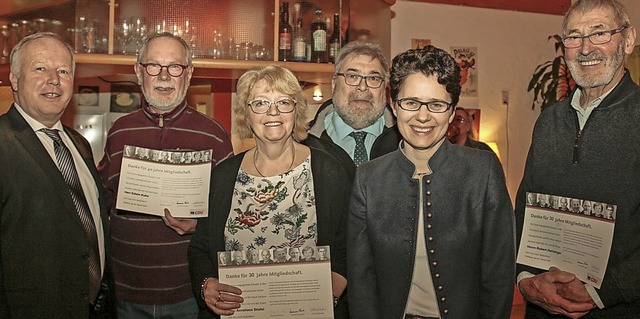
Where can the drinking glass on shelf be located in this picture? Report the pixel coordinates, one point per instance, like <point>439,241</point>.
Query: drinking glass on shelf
<point>6,42</point>
<point>217,49</point>
<point>124,34</point>
<point>140,32</point>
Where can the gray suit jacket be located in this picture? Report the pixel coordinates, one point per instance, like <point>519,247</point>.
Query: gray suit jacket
<point>469,234</point>
<point>43,247</point>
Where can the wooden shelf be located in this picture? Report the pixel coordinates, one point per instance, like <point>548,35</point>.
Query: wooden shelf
<point>114,65</point>
<point>363,15</point>
<point>17,9</point>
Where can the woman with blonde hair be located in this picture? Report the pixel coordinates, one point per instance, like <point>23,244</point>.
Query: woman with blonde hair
<point>279,194</point>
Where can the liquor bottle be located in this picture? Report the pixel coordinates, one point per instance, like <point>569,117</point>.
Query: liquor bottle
<point>299,46</point>
<point>284,34</point>
<point>319,39</point>
<point>335,41</point>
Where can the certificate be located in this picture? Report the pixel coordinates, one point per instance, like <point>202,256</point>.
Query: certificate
<point>280,287</point>
<point>572,234</point>
<point>152,180</point>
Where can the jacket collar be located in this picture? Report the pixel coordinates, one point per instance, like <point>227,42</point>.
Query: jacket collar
<point>435,162</point>
<point>162,119</point>
<point>620,92</point>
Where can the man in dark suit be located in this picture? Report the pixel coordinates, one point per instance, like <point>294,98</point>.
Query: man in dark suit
<point>52,254</point>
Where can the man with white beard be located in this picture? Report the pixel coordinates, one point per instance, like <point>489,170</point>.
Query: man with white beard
<point>586,147</point>
<point>149,252</point>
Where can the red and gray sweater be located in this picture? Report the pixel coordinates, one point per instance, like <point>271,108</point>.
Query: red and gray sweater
<point>150,259</point>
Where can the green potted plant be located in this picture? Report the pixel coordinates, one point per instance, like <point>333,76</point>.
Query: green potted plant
<point>551,81</point>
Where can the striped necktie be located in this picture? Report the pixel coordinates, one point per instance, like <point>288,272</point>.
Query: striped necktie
<point>68,170</point>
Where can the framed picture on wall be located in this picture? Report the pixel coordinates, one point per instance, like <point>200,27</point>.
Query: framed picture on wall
<point>125,98</point>
<point>467,59</point>
<point>419,43</point>
<point>88,95</point>
<point>633,63</point>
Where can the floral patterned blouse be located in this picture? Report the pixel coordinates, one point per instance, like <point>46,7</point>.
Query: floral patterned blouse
<point>272,212</point>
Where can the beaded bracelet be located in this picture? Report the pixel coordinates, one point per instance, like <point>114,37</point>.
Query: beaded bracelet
<point>204,283</point>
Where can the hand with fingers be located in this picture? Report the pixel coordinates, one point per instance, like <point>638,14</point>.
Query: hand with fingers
<point>558,292</point>
<point>182,226</point>
<point>221,298</point>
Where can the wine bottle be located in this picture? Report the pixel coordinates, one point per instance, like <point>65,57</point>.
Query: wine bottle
<point>335,41</point>
<point>284,34</point>
<point>319,39</point>
<point>299,46</point>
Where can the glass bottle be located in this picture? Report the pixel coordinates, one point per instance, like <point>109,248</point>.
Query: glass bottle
<point>78,40</point>
<point>299,46</point>
<point>335,41</point>
<point>284,34</point>
<point>319,39</point>
<point>6,42</point>
<point>299,43</point>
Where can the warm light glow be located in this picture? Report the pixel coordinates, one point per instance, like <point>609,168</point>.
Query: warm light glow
<point>317,94</point>
<point>494,147</point>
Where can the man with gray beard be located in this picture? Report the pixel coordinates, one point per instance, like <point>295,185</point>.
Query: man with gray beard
<point>149,252</point>
<point>356,118</point>
<point>586,147</point>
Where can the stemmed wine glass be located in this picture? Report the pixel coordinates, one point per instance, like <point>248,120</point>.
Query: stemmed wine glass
<point>139,33</point>
<point>125,35</point>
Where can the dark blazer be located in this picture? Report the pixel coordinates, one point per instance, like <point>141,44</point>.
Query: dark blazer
<point>43,247</point>
<point>468,226</point>
<point>328,146</point>
<point>332,187</point>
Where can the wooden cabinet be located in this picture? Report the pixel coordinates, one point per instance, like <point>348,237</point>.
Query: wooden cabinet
<point>100,45</point>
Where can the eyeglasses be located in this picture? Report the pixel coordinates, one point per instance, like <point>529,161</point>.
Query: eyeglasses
<point>435,106</point>
<point>263,106</point>
<point>352,79</point>
<point>153,69</point>
<point>459,120</point>
<point>600,37</point>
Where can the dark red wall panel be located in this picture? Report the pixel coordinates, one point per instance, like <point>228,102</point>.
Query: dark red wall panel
<point>539,6</point>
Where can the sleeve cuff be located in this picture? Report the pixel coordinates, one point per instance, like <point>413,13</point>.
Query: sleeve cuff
<point>594,295</point>
<point>524,275</point>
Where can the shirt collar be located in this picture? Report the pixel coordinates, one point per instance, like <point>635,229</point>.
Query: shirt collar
<point>575,101</point>
<point>342,129</point>
<point>35,125</point>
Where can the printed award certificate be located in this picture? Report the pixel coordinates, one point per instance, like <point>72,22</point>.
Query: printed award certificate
<point>572,234</point>
<point>275,285</point>
<point>152,180</point>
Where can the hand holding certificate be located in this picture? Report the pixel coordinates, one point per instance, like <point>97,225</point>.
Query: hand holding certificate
<point>571,234</point>
<point>282,286</point>
<point>177,181</point>
<point>223,299</point>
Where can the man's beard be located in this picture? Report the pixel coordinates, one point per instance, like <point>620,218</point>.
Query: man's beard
<point>360,117</point>
<point>584,80</point>
<point>162,104</point>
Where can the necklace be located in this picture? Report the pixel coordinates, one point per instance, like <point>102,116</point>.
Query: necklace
<point>255,157</point>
